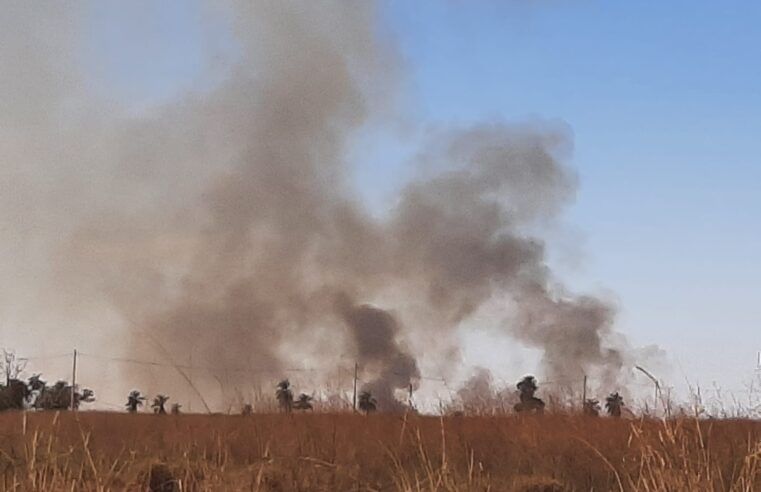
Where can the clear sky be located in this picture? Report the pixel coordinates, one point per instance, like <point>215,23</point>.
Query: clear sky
<point>665,105</point>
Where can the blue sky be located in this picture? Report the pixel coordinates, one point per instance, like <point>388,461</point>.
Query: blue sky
<point>664,102</point>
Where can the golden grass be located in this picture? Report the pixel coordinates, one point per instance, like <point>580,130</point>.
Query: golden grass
<point>335,452</point>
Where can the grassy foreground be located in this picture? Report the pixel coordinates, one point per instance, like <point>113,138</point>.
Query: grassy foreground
<point>336,452</point>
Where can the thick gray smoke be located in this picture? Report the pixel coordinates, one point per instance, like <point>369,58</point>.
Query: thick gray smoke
<point>574,333</point>
<point>224,226</point>
<point>375,334</point>
<point>478,393</point>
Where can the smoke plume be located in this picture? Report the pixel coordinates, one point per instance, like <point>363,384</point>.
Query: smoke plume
<point>224,225</point>
<point>375,333</point>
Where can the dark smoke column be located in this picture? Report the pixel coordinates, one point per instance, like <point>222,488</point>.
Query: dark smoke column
<point>374,332</point>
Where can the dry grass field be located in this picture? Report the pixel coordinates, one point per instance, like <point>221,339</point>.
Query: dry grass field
<point>97,451</point>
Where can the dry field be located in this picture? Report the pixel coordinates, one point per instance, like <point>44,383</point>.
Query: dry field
<point>336,452</point>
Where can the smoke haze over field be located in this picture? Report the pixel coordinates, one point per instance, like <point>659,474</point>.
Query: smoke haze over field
<point>223,226</point>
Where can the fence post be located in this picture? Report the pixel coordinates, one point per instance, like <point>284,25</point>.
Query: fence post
<point>74,381</point>
<point>354,397</point>
<point>584,394</point>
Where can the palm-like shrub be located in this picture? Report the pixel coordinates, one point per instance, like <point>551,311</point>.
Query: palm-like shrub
<point>303,402</point>
<point>135,400</point>
<point>613,404</point>
<point>527,387</point>
<point>592,408</point>
<point>284,396</point>
<point>158,404</point>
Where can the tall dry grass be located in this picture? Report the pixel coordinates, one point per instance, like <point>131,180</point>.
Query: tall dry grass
<point>336,452</point>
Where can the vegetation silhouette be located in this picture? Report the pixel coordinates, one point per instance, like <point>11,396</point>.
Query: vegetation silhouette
<point>14,395</point>
<point>591,407</point>
<point>367,403</point>
<point>303,402</point>
<point>37,394</point>
<point>135,400</point>
<point>159,403</point>
<point>529,403</point>
<point>614,403</point>
<point>58,396</point>
<point>284,396</point>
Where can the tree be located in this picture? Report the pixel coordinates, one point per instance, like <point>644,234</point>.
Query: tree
<point>86,396</point>
<point>134,401</point>
<point>58,396</point>
<point>158,404</point>
<point>592,408</point>
<point>12,366</point>
<point>37,387</point>
<point>176,408</point>
<point>304,402</point>
<point>54,397</point>
<point>527,387</point>
<point>613,404</point>
<point>247,409</point>
<point>284,395</point>
<point>36,383</point>
<point>14,395</point>
<point>367,403</point>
